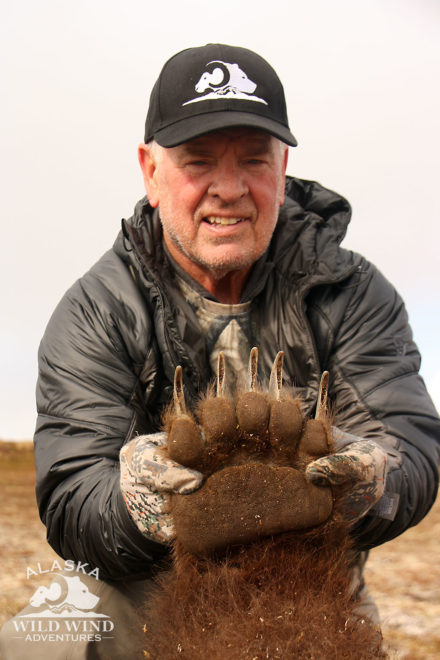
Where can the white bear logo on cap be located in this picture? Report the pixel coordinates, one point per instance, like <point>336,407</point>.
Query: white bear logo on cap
<point>225,80</point>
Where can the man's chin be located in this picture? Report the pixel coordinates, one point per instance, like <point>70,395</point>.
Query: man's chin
<point>222,266</point>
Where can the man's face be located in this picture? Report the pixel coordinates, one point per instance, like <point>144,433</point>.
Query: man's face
<point>218,197</point>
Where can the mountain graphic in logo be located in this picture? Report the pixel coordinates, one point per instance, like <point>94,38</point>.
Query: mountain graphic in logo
<point>222,80</point>
<point>64,597</point>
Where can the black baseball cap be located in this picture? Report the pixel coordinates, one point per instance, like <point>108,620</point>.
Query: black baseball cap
<point>211,87</point>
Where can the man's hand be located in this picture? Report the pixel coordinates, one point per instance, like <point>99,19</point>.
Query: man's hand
<point>147,476</point>
<point>358,469</point>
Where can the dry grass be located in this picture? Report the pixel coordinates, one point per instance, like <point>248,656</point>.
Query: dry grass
<point>403,576</point>
<point>22,535</point>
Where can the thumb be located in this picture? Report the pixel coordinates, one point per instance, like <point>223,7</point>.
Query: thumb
<point>335,469</point>
<point>179,479</point>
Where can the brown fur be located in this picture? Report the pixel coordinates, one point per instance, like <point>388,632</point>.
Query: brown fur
<point>284,597</point>
<point>243,585</point>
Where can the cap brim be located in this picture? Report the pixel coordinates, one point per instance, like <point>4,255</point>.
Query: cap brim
<point>192,127</point>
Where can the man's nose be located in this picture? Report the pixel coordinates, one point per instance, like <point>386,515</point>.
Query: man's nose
<point>229,182</point>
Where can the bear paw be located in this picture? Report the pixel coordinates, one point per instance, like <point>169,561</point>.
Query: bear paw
<point>253,451</point>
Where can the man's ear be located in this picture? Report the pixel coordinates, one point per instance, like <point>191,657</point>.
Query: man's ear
<point>284,168</point>
<point>148,167</point>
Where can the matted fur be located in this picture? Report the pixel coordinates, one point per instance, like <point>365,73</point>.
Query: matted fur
<point>277,597</point>
<point>283,597</point>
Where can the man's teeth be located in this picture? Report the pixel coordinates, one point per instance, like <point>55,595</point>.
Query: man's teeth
<point>218,220</point>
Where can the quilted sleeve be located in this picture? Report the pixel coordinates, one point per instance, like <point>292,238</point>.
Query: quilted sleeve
<point>90,361</point>
<point>379,394</point>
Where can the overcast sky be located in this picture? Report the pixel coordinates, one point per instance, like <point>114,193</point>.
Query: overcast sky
<point>362,84</point>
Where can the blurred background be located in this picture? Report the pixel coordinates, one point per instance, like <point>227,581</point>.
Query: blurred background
<point>361,81</point>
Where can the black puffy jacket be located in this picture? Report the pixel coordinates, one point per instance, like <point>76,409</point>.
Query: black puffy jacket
<point>108,356</point>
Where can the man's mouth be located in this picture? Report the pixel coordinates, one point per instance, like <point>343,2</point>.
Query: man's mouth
<point>220,220</point>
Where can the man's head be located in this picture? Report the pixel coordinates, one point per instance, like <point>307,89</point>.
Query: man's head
<point>215,161</point>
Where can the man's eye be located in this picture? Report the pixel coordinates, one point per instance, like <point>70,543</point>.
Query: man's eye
<point>198,163</point>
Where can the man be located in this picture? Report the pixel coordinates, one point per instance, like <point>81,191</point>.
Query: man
<point>224,253</point>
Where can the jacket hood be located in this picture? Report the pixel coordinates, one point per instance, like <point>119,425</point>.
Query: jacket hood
<point>311,225</point>
<point>327,205</point>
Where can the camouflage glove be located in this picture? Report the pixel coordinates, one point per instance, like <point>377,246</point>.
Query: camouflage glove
<point>146,478</point>
<point>357,471</point>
